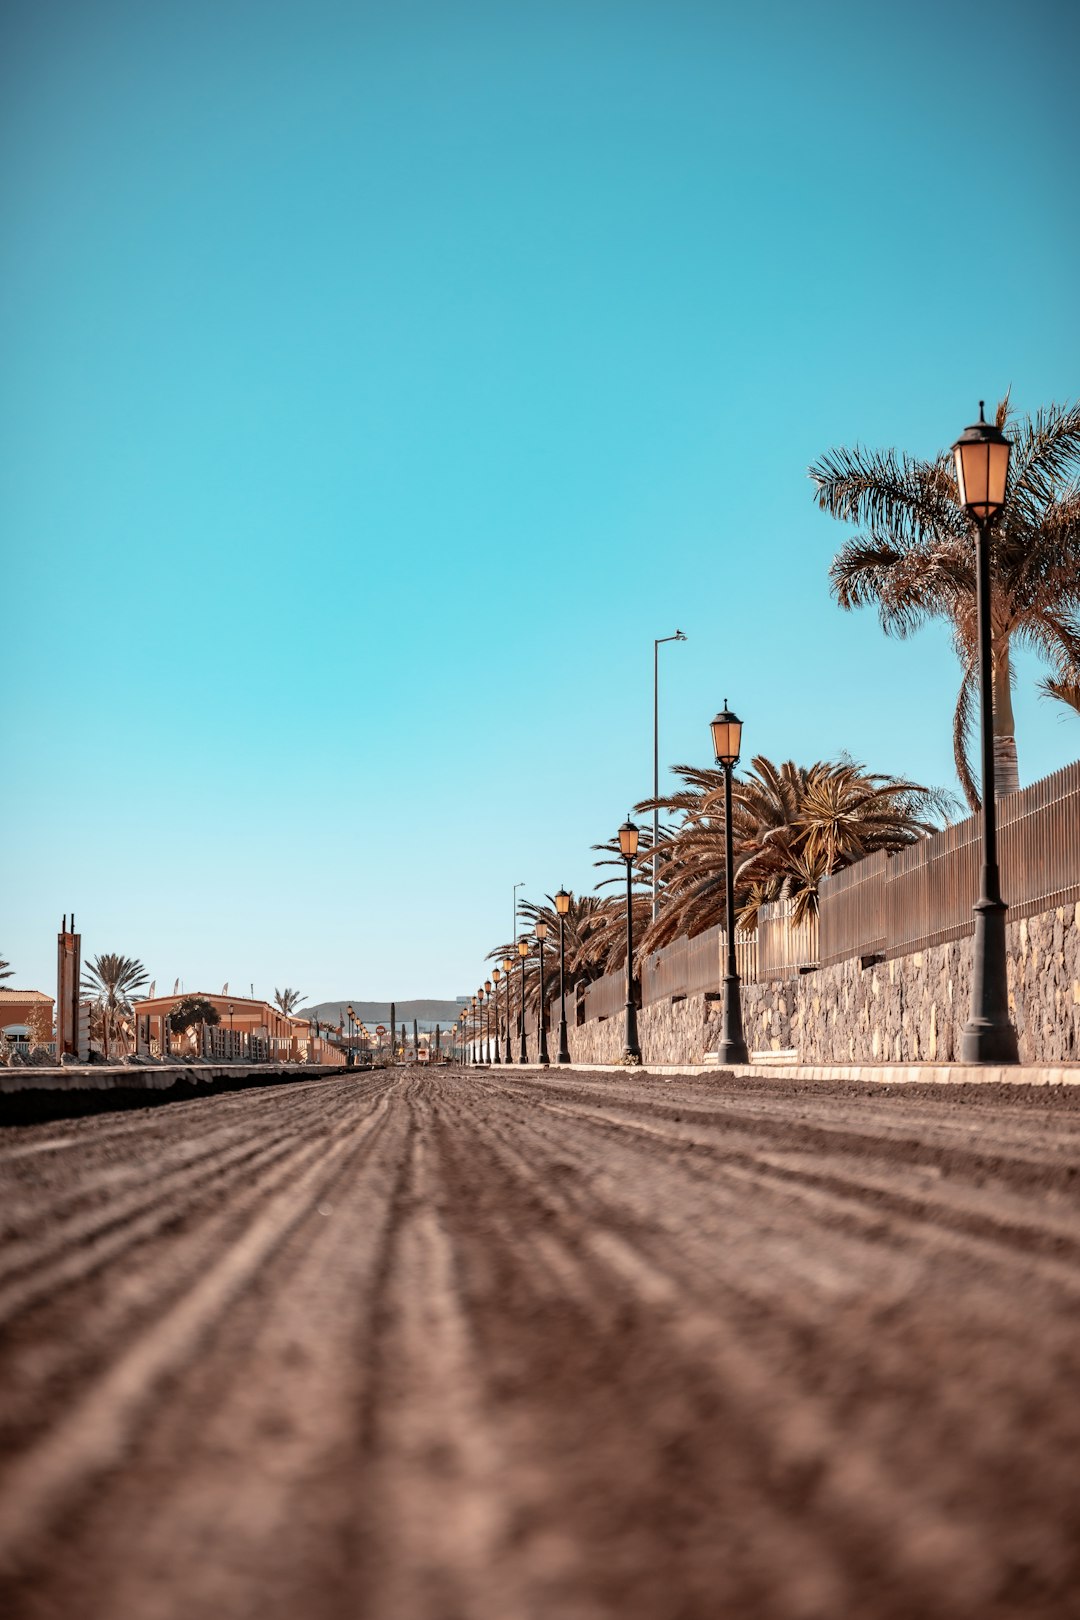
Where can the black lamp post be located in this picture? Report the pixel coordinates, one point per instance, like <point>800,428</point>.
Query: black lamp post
<point>507,967</point>
<point>232,1037</point>
<point>475,1044</point>
<point>490,1037</point>
<point>523,951</point>
<point>982,471</point>
<point>349,1054</point>
<point>628,843</point>
<point>496,975</point>
<point>562,906</point>
<point>541,934</point>
<point>727,741</point>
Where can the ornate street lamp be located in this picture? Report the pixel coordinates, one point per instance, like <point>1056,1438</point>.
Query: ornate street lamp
<point>232,1038</point>
<point>487,992</point>
<point>349,1053</point>
<point>628,843</point>
<point>475,1038</point>
<point>562,906</point>
<point>496,975</point>
<point>982,472</point>
<point>507,966</point>
<point>541,933</point>
<point>523,951</point>
<point>727,742</point>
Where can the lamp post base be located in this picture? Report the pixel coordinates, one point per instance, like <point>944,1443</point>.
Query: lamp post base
<point>564,1050</point>
<point>732,1044</point>
<point>989,1035</point>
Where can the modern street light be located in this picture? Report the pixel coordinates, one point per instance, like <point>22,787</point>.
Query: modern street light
<point>727,741</point>
<point>562,906</point>
<point>517,886</point>
<point>628,844</point>
<point>658,642</point>
<point>523,951</point>
<point>496,975</point>
<point>507,966</point>
<point>540,930</point>
<point>982,472</point>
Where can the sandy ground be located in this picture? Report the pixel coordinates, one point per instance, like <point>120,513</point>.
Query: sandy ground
<point>459,1346</point>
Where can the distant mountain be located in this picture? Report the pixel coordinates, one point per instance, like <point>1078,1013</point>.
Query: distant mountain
<point>372,1013</point>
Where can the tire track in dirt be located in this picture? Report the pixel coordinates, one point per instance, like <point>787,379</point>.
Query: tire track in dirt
<point>475,1347</point>
<point>94,1431</point>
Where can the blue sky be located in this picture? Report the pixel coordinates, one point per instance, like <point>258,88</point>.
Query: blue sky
<point>377,381</point>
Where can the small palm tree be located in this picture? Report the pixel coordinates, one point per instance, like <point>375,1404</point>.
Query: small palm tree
<point>792,825</point>
<point>288,1000</point>
<point>110,981</point>
<point>915,561</point>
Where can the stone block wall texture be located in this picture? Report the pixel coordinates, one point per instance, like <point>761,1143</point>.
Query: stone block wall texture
<point>911,1009</point>
<point>914,1008</point>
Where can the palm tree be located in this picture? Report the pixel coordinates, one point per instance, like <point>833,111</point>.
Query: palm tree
<point>915,561</point>
<point>6,969</point>
<point>792,825</point>
<point>288,1000</point>
<point>110,980</point>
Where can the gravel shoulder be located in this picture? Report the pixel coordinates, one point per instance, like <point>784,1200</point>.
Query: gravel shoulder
<point>462,1345</point>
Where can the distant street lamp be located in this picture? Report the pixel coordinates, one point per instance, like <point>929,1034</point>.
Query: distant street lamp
<point>523,951</point>
<point>349,1054</point>
<point>496,975</point>
<point>727,742</point>
<point>541,934</point>
<point>982,471</point>
<point>628,844</point>
<point>658,642</point>
<point>232,1038</point>
<point>508,964</point>
<point>487,992</point>
<point>562,906</point>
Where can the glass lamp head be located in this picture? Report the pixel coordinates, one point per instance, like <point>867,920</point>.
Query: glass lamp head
<point>562,902</point>
<point>982,468</point>
<point>726,731</point>
<point>628,839</point>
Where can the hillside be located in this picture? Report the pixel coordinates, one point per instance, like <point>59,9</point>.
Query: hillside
<point>427,1013</point>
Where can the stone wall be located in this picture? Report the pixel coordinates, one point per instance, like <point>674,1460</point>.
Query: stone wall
<point>911,1009</point>
<point>915,1007</point>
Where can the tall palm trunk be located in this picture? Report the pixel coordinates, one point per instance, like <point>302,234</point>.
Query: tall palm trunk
<point>1006,769</point>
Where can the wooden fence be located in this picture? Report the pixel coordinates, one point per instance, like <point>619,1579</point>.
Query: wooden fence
<point>890,905</point>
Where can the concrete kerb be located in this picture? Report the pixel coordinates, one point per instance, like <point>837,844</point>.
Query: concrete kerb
<point>154,1076</point>
<point>923,1074</point>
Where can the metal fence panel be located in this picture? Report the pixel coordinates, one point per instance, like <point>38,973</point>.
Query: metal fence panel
<point>891,905</point>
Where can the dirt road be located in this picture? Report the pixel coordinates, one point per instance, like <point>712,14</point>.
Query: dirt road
<point>459,1346</point>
